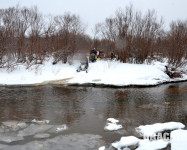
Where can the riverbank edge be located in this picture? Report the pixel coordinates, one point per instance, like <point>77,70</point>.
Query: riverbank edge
<point>93,84</point>
<point>124,86</point>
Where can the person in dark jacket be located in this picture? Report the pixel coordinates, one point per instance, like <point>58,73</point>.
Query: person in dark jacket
<point>93,51</point>
<point>112,56</point>
<point>93,55</point>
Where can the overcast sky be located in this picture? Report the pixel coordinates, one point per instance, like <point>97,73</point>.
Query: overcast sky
<point>95,11</point>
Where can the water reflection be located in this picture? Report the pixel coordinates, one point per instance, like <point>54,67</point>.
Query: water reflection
<point>53,103</point>
<point>85,109</point>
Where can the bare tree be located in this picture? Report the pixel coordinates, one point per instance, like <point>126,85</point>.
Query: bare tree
<point>35,32</point>
<point>69,27</point>
<point>176,44</point>
<point>132,33</point>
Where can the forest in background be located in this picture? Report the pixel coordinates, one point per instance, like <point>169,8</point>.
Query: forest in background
<point>27,36</point>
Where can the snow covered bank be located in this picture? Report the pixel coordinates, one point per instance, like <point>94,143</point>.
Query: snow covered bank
<point>102,72</point>
<point>36,74</point>
<point>123,74</point>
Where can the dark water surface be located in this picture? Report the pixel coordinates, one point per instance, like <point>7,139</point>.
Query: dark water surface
<point>85,109</point>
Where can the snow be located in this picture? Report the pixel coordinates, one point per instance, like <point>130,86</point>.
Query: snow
<point>178,140</point>
<point>152,145</point>
<point>101,72</point>
<point>102,148</point>
<point>36,74</point>
<point>112,125</point>
<point>125,142</point>
<point>112,120</point>
<point>151,130</point>
<point>61,128</point>
<point>40,121</point>
<point>116,73</point>
<point>178,137</point>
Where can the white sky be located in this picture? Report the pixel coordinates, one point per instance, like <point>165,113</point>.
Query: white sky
<point>95,11</point>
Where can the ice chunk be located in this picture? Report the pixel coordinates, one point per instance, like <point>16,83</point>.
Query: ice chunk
<point>151,130</point>
<point>33,129</point>
<point>9,139</point>
<point>126,142</point>
<point>152,145</point>
<point>58,128</point>
<point>112,125</point>
<point>35,145</point>
<point>40,121</point>
<point>14,125</point>
<point>112,120</point>
<point>66,142</point>
<point>10,123</point>
<point>178,140</point>
<point>61,128</point>
<point>102,148</point>
<point>22,125</point>
<point>42,135</point>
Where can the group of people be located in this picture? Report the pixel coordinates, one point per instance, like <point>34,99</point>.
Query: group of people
<point>96,54</point>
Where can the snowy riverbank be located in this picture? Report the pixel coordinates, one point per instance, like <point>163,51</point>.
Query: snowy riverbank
<point>102,73</point>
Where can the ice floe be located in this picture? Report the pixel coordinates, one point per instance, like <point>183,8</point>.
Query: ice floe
<point>10,138</point>
<point>102,148</point>
<point>112,125</point>
<point>14,125</point>
<point>178,140</point>
<point>61,128</point>
<point>40,121</point>
<point>34,129</point>
<point>112,120</point>
<point>151,130</point>
<point>126,142</point>
<point>146,144</point>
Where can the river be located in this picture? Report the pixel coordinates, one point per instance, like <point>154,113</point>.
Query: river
<point>84,110</point>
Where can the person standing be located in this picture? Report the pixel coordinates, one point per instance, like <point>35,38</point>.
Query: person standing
<point>93,55</point>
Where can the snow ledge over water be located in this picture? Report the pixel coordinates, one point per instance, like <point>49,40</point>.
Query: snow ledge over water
<point>113,73</point>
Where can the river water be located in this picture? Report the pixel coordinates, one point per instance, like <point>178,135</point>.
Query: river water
<point>84,110</point>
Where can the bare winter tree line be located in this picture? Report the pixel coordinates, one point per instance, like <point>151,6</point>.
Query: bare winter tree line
<point>27,36</point>
<point>138,38</point>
